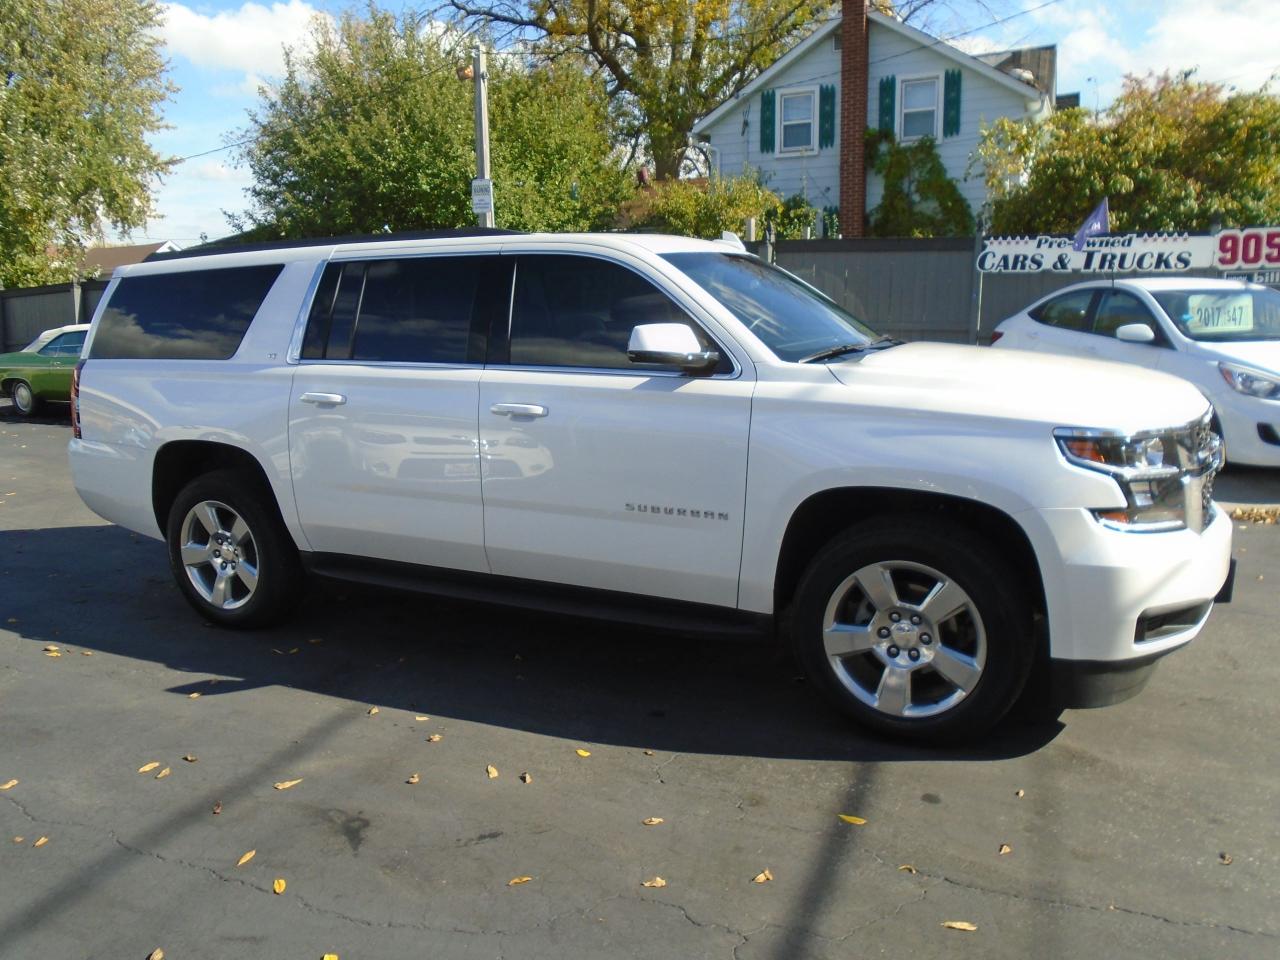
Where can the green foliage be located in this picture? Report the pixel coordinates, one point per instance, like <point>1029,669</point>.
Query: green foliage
<point>372,131</point>
<point>85,80</point>
<point>1171,152</point>
<point>694,208</point>
<point>919,199</point>
<point>792,217</point>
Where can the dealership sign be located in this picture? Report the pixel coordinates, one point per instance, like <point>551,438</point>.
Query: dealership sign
<point>1257,248</point>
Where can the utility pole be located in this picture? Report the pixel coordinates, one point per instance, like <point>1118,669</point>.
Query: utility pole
<point>482,186</point>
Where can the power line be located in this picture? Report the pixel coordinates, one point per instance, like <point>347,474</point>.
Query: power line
<point>965,33</point>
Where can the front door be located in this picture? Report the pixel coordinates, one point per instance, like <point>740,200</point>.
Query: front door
<point>382,425</point>
<point>600,472</point>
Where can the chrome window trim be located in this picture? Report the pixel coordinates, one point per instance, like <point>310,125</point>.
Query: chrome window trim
<point>609,371</point>
<point>300,322</point>
<point>407,364</point>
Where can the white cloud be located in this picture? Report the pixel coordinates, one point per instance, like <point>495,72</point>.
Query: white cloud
<point>249,39</point>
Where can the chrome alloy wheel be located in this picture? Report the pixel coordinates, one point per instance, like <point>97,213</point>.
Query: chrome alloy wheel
<point>219,554</point>
<point>904,638</point>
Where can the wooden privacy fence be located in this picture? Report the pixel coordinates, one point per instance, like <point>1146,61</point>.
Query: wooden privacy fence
<point>25,312</point>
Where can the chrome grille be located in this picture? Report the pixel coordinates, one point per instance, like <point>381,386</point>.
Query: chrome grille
<point>1200,455</point>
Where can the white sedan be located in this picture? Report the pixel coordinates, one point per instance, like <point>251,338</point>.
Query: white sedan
<point>1222,335</point>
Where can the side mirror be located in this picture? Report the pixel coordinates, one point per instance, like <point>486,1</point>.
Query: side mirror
<point>672,344</point>
<point>1135,333</point>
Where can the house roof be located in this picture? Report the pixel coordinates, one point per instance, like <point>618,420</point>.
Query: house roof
<point>105,259</point>
<point>919,37</point>
<point>1042,62</point>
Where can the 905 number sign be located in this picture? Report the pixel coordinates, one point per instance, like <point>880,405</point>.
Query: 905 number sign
<point>1249,248</point>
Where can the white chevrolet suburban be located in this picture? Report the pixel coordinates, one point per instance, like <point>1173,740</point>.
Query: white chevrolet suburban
<point>664,430</point>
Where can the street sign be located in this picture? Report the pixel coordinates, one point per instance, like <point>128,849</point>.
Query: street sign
<point>481,196</point>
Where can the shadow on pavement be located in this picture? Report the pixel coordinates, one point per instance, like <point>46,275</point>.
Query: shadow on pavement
<point>1248,486</point>
<point>105,589</point>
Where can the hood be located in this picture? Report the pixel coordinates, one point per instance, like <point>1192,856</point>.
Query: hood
<point>1262,354</point>
<point>1020,385</point>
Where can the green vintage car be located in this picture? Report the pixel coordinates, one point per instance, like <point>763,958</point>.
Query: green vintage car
<point>41,371</point>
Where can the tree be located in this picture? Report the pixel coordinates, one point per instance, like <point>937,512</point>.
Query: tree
<point>919,199</point>
<point>371,130</point>
<point>84,81</point>
<point>1172,153</point>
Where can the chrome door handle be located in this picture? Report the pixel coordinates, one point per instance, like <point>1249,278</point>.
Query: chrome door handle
<point>332,399</point>
<point>519,409</point>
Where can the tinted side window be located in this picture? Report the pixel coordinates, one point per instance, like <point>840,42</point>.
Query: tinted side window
<point>571,311</point>
<point>63,345</point>
<point>1070,312</point>
<point>1116,309</point>
<point>195,315</point>
<point>417,310</point>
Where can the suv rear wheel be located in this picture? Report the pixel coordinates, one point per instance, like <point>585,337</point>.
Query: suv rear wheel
<point>915,629</point>
<point>229,551</point>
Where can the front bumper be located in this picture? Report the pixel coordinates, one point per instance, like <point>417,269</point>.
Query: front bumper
<point>1115,597</point>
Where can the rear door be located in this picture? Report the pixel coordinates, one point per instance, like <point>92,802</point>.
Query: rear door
<point>600,472</point>
<point>382,429</point>
<point>1063,324</point>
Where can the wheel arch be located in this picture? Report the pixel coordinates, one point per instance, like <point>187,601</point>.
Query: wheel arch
<point>824,514</point>
<point>178,462</point>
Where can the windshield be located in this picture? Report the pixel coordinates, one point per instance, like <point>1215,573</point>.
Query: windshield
<point>1223,316</point>
<point>793,319</point>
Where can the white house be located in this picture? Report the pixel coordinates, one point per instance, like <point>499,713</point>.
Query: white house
<point>801,123</point>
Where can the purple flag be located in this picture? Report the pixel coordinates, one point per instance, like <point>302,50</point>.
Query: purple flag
<point>1097,222</point>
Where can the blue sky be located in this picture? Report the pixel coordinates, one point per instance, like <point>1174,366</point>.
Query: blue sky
<point>221,50</point>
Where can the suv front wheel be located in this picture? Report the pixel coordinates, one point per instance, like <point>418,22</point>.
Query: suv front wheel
<point>230,553</point>
<point>915,629</point>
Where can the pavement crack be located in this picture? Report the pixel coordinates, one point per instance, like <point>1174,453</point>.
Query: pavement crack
<point>658,768</point>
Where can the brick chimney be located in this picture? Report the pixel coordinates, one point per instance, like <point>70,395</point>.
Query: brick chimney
<point>853,116</point>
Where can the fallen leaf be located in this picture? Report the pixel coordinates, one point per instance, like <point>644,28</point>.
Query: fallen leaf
<point>190,757</point>
<point>163,773</point>
<point>246,858</point>
<point>850,818</point>
<point>1020,794</point>
<point>908,868</point>
<point>526,777</point>
<point>434,738</point>
<point>582,753</point>
<point>960,925</point>
<point>9,784</point>
<point>41,842</point>
<point>1224,859</point>
<point>491,770</point>
<point>156,954</point>
<point>278,885</point>
<point>316,640</point>
<point>516,881</point>
<point>194,695</point>
<point>413,778</point>
<point>18,839</point>
<point>764,876</point>
<point>655,882</point>
<point>373,711</point>
<point>53,653</point>
<point>327,956</point>
<point>148,767</point>
<point>1004,848</point>
<point>86,653</point>
<point>648,753</point>
<point>50,648</point>
<point>277,650</point>
<point>293,650</point>
<point>286,784</point>
<point>15,619</point>
<point>652,821</point>
<point>420,719</point>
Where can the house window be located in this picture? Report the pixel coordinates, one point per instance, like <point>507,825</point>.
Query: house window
<point>919,109</point>
<point>797,121</point>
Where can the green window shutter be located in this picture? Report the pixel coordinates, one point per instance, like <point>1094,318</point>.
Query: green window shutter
<point>951,104</point>
<point>826,116</point>
<point>768,121</point>
<point>888,94</point>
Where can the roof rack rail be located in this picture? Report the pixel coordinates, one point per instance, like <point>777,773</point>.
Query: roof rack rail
<point>230,244</point>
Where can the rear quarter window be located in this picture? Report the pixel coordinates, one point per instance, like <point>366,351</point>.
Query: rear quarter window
<point>193,315</point>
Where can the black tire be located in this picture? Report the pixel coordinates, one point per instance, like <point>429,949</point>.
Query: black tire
<point>269,552</point>
<point>24,399</point>
<point>993,631</point>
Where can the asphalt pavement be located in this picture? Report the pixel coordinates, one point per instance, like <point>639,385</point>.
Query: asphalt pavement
<point>1147,829</point>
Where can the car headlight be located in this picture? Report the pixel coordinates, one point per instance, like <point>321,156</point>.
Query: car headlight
<point>1252,383</point>
<point>1146,468</point>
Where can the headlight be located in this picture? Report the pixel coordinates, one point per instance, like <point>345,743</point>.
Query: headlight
<point>1252,383</point>
<point>1144,466</point>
